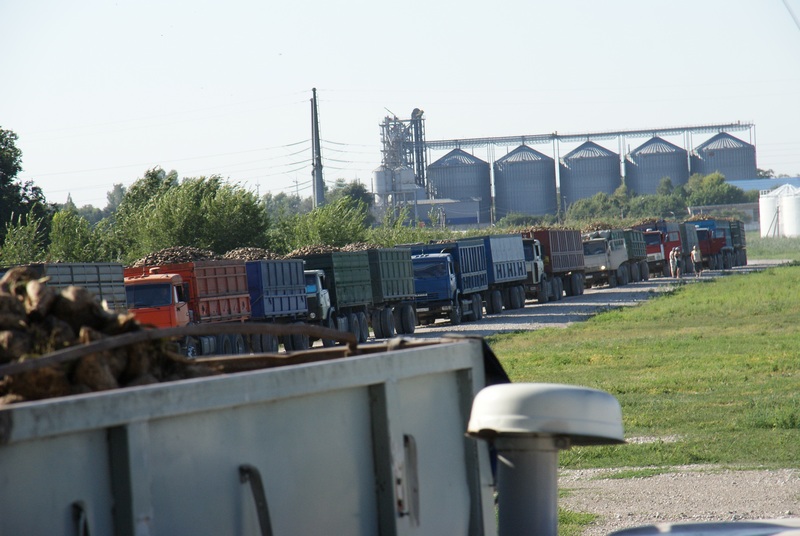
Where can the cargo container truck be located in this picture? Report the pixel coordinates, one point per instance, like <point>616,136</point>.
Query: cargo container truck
<point>734,252</point>
<point>712,245</point>
<point>450,280</point>
<point>393,307</point>
<point>638,269</point>
<point>198,292</point>
<point>606,258</point>
<point>103,279</point>
<point>505,263</point>
<point>278,294</point>
<point>339,287</point>
<point>555,263</point>
<point>660,238</point>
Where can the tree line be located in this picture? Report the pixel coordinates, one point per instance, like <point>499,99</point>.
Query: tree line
<point>161,210</point>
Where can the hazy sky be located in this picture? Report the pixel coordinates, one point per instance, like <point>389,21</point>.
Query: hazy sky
<point>100,91</point>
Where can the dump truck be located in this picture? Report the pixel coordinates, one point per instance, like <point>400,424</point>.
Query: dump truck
<point>278,294</point>
<point>606,258</point>
<point>339,287</point>
<point>393,307</point>
<point>712,232</point>
<point>660,238</point>
<point>198,292</point>
<point>507,271</point>
<point>555,263</point>
<point>105,280</point>
<point>638,269</point>
<point>450,280</point>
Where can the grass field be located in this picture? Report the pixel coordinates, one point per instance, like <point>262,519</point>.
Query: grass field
<point>772,248</point>
<point>709,373</point>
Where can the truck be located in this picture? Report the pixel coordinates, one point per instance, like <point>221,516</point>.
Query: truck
<point>339,287</point>
<point>393,307</point>
<point>660,238</point>
<point>450,280</point>
<point>638,269</point>
<point>554,262</point>
<point>712,245</point>
<point>278,294</point>
<point>507,271</point>
<point>606,258</point>
<point>733,252</point>
<point>105,280</point>
<point>197,292</point>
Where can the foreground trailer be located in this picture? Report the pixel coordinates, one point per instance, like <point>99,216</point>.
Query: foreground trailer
<point>361,445</point>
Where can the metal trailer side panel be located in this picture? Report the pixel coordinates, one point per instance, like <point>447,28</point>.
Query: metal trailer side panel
<point>469,257</point>
<point>338,445</point>
<point>348,276</point>
<point>634,242</point>
<point>277,288</point>
<point>217,289</point>
<point>505,259</point>
<point>688,237</point>
<point>562,250</point>
<point>104,280</point>
<point>392,274</point>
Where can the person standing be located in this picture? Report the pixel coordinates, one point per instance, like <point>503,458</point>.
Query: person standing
<point>697,261</point>
<point>678,262</point>
<point>673,262</point>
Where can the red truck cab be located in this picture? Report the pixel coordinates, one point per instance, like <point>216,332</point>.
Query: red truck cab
<point>711,245</point>
<point>157,299</point>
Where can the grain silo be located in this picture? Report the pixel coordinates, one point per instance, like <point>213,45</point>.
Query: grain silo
<point>779,212</point>
<point>732,157</point>
<point>655,159</point>
<point>525,183</point>
<point>461,176</point>
<point>588,170</point>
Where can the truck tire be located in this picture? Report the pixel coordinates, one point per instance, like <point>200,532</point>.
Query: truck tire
<point>299,341</point>
<point>342,324</point>
<point>455,312</point>
<point>255,343</point>
<point>387,323</point>
<point>224,345</point>
<point>352,323</point>
<point>612,280</point>
<point>544,291</point>
<point>239,346</point>
<point>377,329</point>
<point>644,269</point>
<point>559,288</point>
<point>497,302</point>
<point>635,275</point>
<point>408,316</point>
<point>398,321</point>
<point>577,284</point>
<point>362,323</point>
<point>269,343</point>
<point>522,297</point>
<point>513,298</point>
<point>622,276</point>
<point>477,307</point>
<point>330,324</point>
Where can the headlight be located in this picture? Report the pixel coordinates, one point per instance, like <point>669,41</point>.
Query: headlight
<point>603,268</point>
<point>312,316</point>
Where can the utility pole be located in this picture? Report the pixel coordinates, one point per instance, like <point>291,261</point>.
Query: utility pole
<point>316,154</point>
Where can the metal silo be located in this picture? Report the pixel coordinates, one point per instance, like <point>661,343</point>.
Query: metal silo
<point>732,157</point>
<point>652,161</point>
<point>525,183</point>
<point>459,175</point>
<point>588,170</point>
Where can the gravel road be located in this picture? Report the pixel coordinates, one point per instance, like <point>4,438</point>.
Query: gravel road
<point>681,495</point>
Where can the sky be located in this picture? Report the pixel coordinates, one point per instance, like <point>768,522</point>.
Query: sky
<point>100,91</point>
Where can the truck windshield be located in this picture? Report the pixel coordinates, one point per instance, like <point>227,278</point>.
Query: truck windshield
<point>652,239</point>
<point>150,295</point>
<point>430,270</point>
<point>311,284</point>
<point>594,248</point>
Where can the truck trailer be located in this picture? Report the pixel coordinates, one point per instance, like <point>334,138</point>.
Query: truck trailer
<point>555,263</point>
<point>606,258</point>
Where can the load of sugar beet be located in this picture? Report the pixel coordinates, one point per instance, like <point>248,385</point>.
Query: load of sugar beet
<point>37,320</point>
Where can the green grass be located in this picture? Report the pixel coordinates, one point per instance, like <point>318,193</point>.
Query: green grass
<point>715,365</point>
<point>772,248</point>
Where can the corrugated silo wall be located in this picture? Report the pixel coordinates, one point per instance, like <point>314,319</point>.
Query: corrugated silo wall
<point>644,171</point>
<point>586,177</point>
<point>735,163</point>
<point>525,186</point>
<point>468,181</point>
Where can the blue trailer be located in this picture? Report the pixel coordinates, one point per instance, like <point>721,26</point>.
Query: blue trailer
<point>507,271</point>
<point>277,291</point>
<point>450,279</point>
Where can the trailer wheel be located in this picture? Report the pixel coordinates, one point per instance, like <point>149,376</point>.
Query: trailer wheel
<point>362,323</point>
<point>408,316</point>
<point>387,323</point>
<point>224,345</point>
<point>342,324</point>
<point>635,275</point>
<point>559,288</point>
<point>522,296</point>
<point>612,280</point>
<point>377,328</point>
<point>644,269</point>
<point>544,291</point>
<point>330,324</point>
<point>477,307</point>
<point>455,313</point>
<point>352,323</point>
<point>398,320</point>
<point>576,284</point>
<point>497,302</point>
<point>255,343</point>
<point>269,343</point>
<point>238,344</point>
<point>513,298</point>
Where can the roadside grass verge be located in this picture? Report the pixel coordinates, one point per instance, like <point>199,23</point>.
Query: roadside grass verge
<point>773,248</point>
<point>716,365</point>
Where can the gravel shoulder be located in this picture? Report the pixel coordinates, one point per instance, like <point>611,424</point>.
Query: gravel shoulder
<point>679,495</point>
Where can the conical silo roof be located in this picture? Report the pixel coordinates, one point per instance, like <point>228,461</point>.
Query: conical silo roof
<point>657,145</point>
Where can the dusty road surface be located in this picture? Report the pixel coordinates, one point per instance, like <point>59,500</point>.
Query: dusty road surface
<point>690,494</point>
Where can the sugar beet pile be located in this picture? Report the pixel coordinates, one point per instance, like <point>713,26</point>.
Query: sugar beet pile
<point>36,320</point>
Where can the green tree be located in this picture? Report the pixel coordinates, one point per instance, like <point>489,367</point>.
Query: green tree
<point>712,190</point>
<point>336,224</point>
<point>16,198</point>
<point>114,198</point>
<point>70,238</point>
<point>665,186</point>
<point>356,193</point>
<point>24,241</point>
